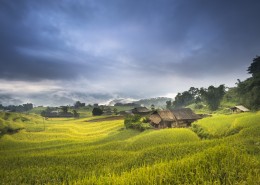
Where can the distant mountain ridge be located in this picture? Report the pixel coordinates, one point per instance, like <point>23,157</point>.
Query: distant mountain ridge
<point>120,101</point>
<point>157,102</point>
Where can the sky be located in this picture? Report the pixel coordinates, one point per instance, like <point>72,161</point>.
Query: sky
<point>55,52</point>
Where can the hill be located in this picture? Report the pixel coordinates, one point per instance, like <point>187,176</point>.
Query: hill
<point>223,149</point>
<point>159,102</point>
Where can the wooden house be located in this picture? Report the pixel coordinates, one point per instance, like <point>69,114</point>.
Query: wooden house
<point>125,113</point>
<point>185,116</point>
<point>162,119</point>
<point>173,118</point>
<point>239,108</point>
<point>143,111</point>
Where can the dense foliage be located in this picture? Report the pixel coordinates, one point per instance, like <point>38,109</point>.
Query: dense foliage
<point>212,96</point>
<point>249,89</point>
<point>185,98</point>
<point>254,68</point>
<point>53,112</point>
<point>17,108</point>
<point>97,111</point>
<point>136,122</point>
<point>78,104</point>
<point>246,93</point>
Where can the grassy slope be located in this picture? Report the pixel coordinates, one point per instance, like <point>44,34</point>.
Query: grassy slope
<point>78,152</point>
<point>224,125</point>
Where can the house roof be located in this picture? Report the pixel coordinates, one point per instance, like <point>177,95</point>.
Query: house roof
<point>161,115</point>
<point>179,114</point>
<point>241,107</point>
<point>166,115</point>
<point>185,114</point>
<point>155,118</point>
<point>141,109</point>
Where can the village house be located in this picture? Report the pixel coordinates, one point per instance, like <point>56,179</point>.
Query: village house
<point>125,113</point>
<point>239,109</point>
<point>162,119</point>
<point>173,118</point>
<point>185,117</point>
<point>143,111</point>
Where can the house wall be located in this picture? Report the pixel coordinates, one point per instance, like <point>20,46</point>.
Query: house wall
<point>185,123</point>
<point>236,110</point>
<point>155,125</point>
<point>172,124</point>
<point>166,124</point>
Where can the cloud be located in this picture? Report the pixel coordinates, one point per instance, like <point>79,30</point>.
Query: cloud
<point>121,48</point>
<point>6,99</point>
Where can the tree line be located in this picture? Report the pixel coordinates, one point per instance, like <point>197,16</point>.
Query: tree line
<point>63,111</point>
<point>246,92</point>
<point>17,108</point>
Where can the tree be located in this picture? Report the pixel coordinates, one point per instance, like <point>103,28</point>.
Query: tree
<point>231,95</point>
<point>254,68</point>
<point>64,109</point>
<point>213,96</point>
<point>135,122</point>
<point>183,99</point>
<point>27,106</point>
<point>115,111</point>
<point>152,107</point>
<point>249,89</point>
<point>77,105</point>
<point>187,97</point>
<point>97,111</point>
<point>75,114</point>
<point>168,104</point>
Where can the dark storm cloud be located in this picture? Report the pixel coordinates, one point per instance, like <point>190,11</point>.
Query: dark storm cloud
<point>185,37</point>
<point>208,38</point>
<point>31,46</point>
<point>6,99</point>
<point>119,46</point>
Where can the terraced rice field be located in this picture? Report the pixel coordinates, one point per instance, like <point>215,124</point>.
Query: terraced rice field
<point>224,149</point>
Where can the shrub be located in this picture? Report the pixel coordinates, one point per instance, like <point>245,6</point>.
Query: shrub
<point>130,120</point>
<point>144,126</point>
<point>134,122</point>
<point>97,111</point>
<point>198,106</point>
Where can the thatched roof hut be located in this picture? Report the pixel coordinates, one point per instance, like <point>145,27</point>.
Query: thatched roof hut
<point>166,115</point>
<point>174,118</point>
<point>185,114</point>
<point>162,119</point>
<point>155,118</point>
<point>239,108</point>
<point>125,113</point>
<point>141,111</point>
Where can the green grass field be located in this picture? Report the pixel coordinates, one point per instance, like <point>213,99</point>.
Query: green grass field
<point>223,149</point>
